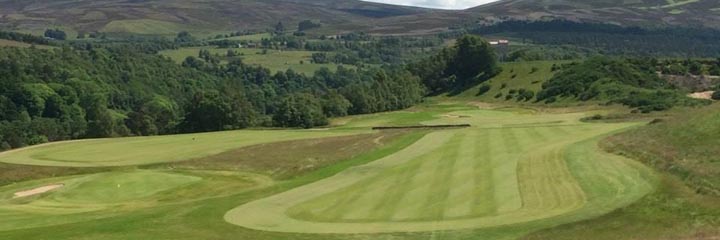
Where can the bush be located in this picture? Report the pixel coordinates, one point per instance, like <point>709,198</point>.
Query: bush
<point>498,95</point>
<point>716,95</point>
<point>483,89</point>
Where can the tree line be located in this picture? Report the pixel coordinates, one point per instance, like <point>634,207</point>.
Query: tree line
<point>96,90</point>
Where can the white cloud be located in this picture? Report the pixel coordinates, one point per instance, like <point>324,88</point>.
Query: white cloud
<point>443,4</point>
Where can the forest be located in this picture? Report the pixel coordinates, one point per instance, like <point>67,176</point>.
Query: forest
<point>95,90</point>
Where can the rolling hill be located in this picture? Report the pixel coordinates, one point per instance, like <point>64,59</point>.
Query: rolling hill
<point>204,16</point>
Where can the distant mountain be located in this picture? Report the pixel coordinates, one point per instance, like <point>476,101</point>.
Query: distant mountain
<point>208,16</point>
<point>627,12</point>
<point>166,17</point>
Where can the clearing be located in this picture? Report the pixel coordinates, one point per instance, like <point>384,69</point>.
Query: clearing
<point>275,60</point>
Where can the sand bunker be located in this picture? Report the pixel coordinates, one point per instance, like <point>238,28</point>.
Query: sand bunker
<point>36,191</point>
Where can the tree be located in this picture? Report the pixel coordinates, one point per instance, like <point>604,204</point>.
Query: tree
<point>319,58</point>
<point>207,111</point>
<point>279,27</point>
<point>100,122</point>
<point>299,110</point>
<point>307,25</point>
<point>55,34</point>
<point>184,37</point>
<point>474,56</point>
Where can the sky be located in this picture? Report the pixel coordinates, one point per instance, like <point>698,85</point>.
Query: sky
<point>443,4</point>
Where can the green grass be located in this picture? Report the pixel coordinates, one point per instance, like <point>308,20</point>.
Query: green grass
<point>148,150</point>
<point>103,195</point>
<point>515,76</point>
<point>496,173</point>
<point>683,149</point>
<point>9,43</point>
<point>275,60</point>
<point>514,172</point>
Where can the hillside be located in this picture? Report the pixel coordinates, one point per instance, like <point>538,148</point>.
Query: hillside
<point>207,16</point>
<point>627,12</point>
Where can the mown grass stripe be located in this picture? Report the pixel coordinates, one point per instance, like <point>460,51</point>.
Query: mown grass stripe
<point>412,204</point>
<point>464,180</point>
<point>505,176</point>
<point>442,179</point>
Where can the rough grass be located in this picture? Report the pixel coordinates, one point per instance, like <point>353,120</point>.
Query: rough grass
<point>148,150</point>
<point>515,75</point>
<point>683,148</point>
<point>286,159</point>
<point>529,168</point>
<point>274,60</point>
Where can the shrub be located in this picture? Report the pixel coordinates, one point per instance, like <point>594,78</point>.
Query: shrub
<point>716,95</point>
<point>498,95</point>
<point>483,89</point>
<point>534,70</point>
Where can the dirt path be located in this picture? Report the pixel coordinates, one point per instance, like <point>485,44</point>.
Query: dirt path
<point>36,191</point>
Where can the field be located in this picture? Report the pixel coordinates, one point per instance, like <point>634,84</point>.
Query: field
<point>9,43</point>
<point>275,60</point>
<point>515,171</point>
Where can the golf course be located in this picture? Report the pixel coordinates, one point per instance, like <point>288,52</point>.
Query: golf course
<point>512,172</point>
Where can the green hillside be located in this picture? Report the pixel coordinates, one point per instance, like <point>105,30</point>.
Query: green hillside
<point>684,150</point>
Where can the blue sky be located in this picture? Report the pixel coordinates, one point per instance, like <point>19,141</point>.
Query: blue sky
<point>444,4</point>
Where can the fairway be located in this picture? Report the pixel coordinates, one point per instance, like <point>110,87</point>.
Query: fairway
<point>148,150</point>
<point>509,168</point>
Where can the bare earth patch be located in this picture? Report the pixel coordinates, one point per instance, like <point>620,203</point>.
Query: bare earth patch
<point>702,95</point>
<point>36,191</point>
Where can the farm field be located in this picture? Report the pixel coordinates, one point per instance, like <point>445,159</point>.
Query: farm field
<point>275,60</point>
<point>515,171</point>
<point>9,43</point>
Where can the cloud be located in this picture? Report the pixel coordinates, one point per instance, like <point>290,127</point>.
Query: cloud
<point>443,4</point>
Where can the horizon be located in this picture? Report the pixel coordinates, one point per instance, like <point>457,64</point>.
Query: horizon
<point>437,4</point>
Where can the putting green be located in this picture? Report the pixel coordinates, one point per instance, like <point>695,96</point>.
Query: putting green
<point>102,195</point>
<point>509,168</point>
<point>148,150</point>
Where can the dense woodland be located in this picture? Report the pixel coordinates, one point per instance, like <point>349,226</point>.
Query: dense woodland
<point>96,90</point>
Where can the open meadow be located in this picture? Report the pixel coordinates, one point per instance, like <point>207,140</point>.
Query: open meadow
<point>275,60</point>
